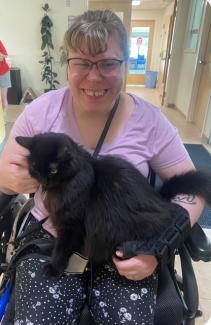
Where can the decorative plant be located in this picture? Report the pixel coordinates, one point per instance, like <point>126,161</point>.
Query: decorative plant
<point>63,55</point>
<point>47,73</point>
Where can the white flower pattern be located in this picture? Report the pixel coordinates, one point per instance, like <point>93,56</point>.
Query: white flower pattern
<point>115,299</point>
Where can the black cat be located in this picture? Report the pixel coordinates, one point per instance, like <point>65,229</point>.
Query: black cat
<point>98,204</point>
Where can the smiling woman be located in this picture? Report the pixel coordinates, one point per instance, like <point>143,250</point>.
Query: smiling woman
<point>97,48</point>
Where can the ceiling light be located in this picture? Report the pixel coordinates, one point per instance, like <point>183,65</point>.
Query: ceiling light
<point>136,3</point>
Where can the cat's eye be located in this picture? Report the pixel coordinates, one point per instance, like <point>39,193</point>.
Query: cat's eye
<point>53,169</point>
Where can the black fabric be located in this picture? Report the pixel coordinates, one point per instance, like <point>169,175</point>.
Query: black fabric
<point>162,246</point>
<point>169,308</point>
<point>85,318</point>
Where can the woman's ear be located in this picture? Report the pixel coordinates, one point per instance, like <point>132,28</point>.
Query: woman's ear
<point>25,141</point>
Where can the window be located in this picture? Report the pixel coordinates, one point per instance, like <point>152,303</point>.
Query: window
<point>194,24</point>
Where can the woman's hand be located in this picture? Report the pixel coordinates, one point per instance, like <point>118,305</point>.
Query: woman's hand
<point>135,268</point>
<point>14,174</point>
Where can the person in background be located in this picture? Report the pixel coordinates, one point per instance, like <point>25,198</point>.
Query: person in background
<point>125,291</point>
<point>5,81</point>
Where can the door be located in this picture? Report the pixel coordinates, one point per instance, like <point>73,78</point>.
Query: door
<point>163,53</point>
<point>167,37</point>
<point>203,94</point>
<point>141,39</point>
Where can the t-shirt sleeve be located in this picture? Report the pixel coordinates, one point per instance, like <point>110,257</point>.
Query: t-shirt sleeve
<point>2,49</point>
<point>22,126</point>
<point>167,146</point>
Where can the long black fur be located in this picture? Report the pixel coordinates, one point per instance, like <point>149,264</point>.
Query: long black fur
<point>98,204</point>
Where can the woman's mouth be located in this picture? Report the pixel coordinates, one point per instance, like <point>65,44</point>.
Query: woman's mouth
<point>94,93</point>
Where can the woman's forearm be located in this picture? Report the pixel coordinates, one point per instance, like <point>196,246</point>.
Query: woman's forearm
<point>192,203</point>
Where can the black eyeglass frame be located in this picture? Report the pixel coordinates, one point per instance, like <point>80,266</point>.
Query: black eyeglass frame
<point>96,63</point>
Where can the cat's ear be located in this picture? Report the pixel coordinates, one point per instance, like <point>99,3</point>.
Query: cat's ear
<point>25,141</point>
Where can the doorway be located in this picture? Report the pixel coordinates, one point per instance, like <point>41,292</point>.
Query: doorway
<point>141,39</point>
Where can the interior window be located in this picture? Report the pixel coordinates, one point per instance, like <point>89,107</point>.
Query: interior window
<point>194,24</point>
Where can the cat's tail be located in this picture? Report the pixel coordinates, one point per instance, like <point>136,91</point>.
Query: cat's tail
<point>193,182</point>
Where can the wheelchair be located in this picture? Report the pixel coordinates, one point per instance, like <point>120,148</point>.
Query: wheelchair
<point>177,299</point>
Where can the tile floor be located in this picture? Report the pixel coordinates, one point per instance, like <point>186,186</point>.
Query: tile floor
<point>189,134</point>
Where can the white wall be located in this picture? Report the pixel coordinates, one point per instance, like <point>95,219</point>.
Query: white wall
<point>157,16</point>
<point>20,32</point>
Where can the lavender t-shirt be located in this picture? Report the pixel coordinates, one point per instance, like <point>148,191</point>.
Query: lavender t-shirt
<point>147,138</point>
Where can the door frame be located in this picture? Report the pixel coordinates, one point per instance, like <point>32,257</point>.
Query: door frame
<point>199,68</point>
<point>140,79</point>
<point>168,52</point>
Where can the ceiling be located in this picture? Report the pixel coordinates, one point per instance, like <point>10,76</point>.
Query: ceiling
<point>145,4</point>
<point>152,4</point>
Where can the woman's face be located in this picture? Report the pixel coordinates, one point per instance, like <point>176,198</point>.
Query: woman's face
<point>92,90</point>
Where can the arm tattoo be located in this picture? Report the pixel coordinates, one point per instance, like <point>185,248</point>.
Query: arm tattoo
<point>185,198</point>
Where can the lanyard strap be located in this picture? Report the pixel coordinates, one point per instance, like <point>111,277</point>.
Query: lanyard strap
<point>106,128</point>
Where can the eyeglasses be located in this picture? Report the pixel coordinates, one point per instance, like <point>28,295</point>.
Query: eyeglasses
<point>105,67</point>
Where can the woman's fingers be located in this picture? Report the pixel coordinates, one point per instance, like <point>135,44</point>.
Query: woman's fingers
<point>14,174</point>
<point>137,267</point>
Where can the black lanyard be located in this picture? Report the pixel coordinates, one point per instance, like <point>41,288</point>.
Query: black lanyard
<point>106,128</point>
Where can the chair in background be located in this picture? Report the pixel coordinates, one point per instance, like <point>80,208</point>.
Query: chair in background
<point>141,62</point>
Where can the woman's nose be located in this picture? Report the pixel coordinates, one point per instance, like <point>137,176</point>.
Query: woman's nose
<point>94,73</point>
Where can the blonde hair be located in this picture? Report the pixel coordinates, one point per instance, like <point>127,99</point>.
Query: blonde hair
<point>94,29</point>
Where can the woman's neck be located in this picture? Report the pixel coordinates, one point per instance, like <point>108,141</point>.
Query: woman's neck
<point>93,116</point>
<point>91,124</point>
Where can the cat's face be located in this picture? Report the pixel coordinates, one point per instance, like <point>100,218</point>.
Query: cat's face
<point>54,157</point>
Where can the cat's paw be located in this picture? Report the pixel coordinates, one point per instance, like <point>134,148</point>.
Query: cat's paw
<point>50,271</point>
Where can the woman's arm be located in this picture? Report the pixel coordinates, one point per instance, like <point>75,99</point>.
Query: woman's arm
<point>193,204</point>
<point>142,266</point>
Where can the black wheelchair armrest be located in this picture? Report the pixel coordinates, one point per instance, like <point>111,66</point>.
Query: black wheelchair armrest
<point>198,244</point>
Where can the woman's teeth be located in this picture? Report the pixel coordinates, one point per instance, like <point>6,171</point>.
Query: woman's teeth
<point>94,93</point>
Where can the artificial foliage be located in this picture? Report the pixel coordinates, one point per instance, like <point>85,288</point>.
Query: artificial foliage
<point>47,72</point>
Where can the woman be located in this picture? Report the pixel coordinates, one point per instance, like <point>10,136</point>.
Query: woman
<point>5,82</point>
<point>97,56</point>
